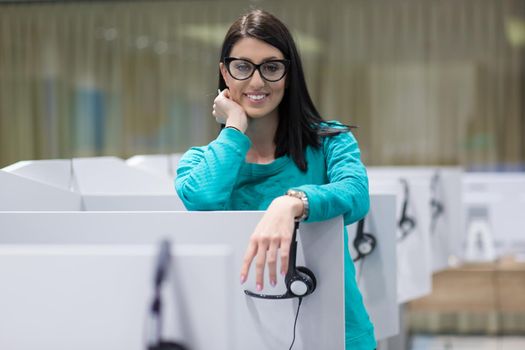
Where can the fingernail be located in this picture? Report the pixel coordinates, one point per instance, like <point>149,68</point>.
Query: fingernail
<point>243,279</point>
<point>258,287</point>
<point>273,283</point>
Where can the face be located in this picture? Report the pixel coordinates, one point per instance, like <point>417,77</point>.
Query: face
<point>258,97</point>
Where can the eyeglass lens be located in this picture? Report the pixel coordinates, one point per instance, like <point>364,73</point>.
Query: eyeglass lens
<point>271,71</point>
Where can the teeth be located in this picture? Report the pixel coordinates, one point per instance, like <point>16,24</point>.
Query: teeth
<point>256,97</point>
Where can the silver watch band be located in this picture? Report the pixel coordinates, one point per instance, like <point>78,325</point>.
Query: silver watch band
<point>302,196</point>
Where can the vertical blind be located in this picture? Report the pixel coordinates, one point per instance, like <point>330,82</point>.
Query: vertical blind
<point>427,82</point>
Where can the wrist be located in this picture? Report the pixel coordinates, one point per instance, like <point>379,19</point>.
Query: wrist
<point>291,205</point>
<point>304,208</point>
<point>238,121</point>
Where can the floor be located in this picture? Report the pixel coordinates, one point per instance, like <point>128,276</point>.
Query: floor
<point>443,342</point>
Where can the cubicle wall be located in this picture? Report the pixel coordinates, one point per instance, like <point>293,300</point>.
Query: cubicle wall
<point>494,207</point>
<point>376,273</point>
<point>444,214</point>
<point>85,280</point>
<point>414,264</point>
<point>102,183</point>
<point>75,188</point>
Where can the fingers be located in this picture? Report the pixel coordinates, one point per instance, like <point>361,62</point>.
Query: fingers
<point>260,262</point>
<point>285,254</point>
<point>247,261</point>
<point>272,260</point>
<point>265,252</point>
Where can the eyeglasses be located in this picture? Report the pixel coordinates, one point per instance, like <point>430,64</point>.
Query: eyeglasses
<point>240,69</point>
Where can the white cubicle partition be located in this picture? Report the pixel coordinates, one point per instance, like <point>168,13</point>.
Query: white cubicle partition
<point>53,172</point>
<point>163,165</point>
<point>377,273</point>
<point>22,193</point>
<point>494,210</point>
<point>85,282</point>
<point>446,214</point>
<point>414,264</point>
<point>102,184</point>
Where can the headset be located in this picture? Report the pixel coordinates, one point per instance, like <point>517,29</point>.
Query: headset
<point>436,206</point>
<point>406,223</point>
<point>364,242</point>
<point>161,271</point>
<point>300,281</point>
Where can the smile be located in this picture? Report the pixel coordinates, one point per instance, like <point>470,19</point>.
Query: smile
<point>256,97</point>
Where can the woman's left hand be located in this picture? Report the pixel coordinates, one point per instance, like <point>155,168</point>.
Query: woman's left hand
<point>273,232</point>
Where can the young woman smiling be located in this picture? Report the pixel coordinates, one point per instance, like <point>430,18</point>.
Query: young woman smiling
<point>277,154</point>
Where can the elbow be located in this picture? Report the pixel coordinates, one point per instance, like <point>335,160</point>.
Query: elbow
<point>360,205</point>
<point>200,200</point>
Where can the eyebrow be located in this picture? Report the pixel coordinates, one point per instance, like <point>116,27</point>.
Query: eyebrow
<point>263,60</point>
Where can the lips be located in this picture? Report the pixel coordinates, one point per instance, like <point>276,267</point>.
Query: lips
<point>256,97</point>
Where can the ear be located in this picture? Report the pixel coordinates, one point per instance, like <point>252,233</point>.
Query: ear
<point>224,73</point>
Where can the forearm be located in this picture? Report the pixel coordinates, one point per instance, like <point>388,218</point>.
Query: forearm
<point>348,198</point>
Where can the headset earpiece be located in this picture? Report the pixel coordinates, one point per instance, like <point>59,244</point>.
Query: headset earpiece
<point>301,282</point>
<point>364,243</point>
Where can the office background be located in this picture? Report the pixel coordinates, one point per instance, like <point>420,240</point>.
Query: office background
<point>427,82</point>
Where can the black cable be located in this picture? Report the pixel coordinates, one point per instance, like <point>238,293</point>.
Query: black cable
<point>295,322</point>
<point>361,265</point>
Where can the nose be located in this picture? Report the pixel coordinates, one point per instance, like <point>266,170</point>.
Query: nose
<point>256,81</point>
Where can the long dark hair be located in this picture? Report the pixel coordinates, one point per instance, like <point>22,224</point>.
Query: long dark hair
<point>300,124</point>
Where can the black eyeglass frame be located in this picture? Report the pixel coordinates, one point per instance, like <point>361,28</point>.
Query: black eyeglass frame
<point>228,60</point>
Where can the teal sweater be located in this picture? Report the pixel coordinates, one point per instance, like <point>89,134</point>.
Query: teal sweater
<point>216,177</point>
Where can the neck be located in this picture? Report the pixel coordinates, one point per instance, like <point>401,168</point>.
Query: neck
<point>261,132</point>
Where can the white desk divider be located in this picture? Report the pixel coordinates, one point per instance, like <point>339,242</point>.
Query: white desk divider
<point>19,193</point>
<point>414,264</point>
<point>377,273</point>
<point>156,164</point>
<point>103,184</point>
<point>54,172</point>
<point>494,207</point>
<point>85,281</point>
<point>446,214</point>
<point>107,183</point>
<point>163,165</point>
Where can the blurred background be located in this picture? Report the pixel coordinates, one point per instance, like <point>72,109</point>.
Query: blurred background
<point>428,83</point>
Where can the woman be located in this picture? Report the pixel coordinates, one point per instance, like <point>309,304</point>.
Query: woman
<point>277,154</point>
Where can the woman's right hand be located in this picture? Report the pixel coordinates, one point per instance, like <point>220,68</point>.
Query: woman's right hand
<point>227,111</point>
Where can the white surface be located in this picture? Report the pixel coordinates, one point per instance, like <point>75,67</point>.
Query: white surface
<point>447,236</point>
<point>414,264</point>
<point>54,172</point>
<point>21,193</point>
<point>85,279</point>
<point>163,165</point>
<point>110,175</point>
<point>376,273</point>
<point>497,198</point>
<point>96,184</point>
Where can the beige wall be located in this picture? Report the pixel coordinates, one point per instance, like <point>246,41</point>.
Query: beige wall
<point>428,82</point>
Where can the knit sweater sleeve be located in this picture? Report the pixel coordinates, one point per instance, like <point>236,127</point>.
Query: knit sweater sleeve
<point>206,175</point>
<point>347,190</point>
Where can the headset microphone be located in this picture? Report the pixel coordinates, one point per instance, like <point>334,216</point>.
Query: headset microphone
<point>161,272</point>
<point>364,243</point>
<point>406,223</point>
<point>300,281</point>
<point>436,206</point>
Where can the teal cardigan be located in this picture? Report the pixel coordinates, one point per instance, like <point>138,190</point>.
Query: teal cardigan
<point>217,177</point>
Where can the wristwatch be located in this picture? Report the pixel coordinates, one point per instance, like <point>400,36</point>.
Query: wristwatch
<point>302,196</point>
